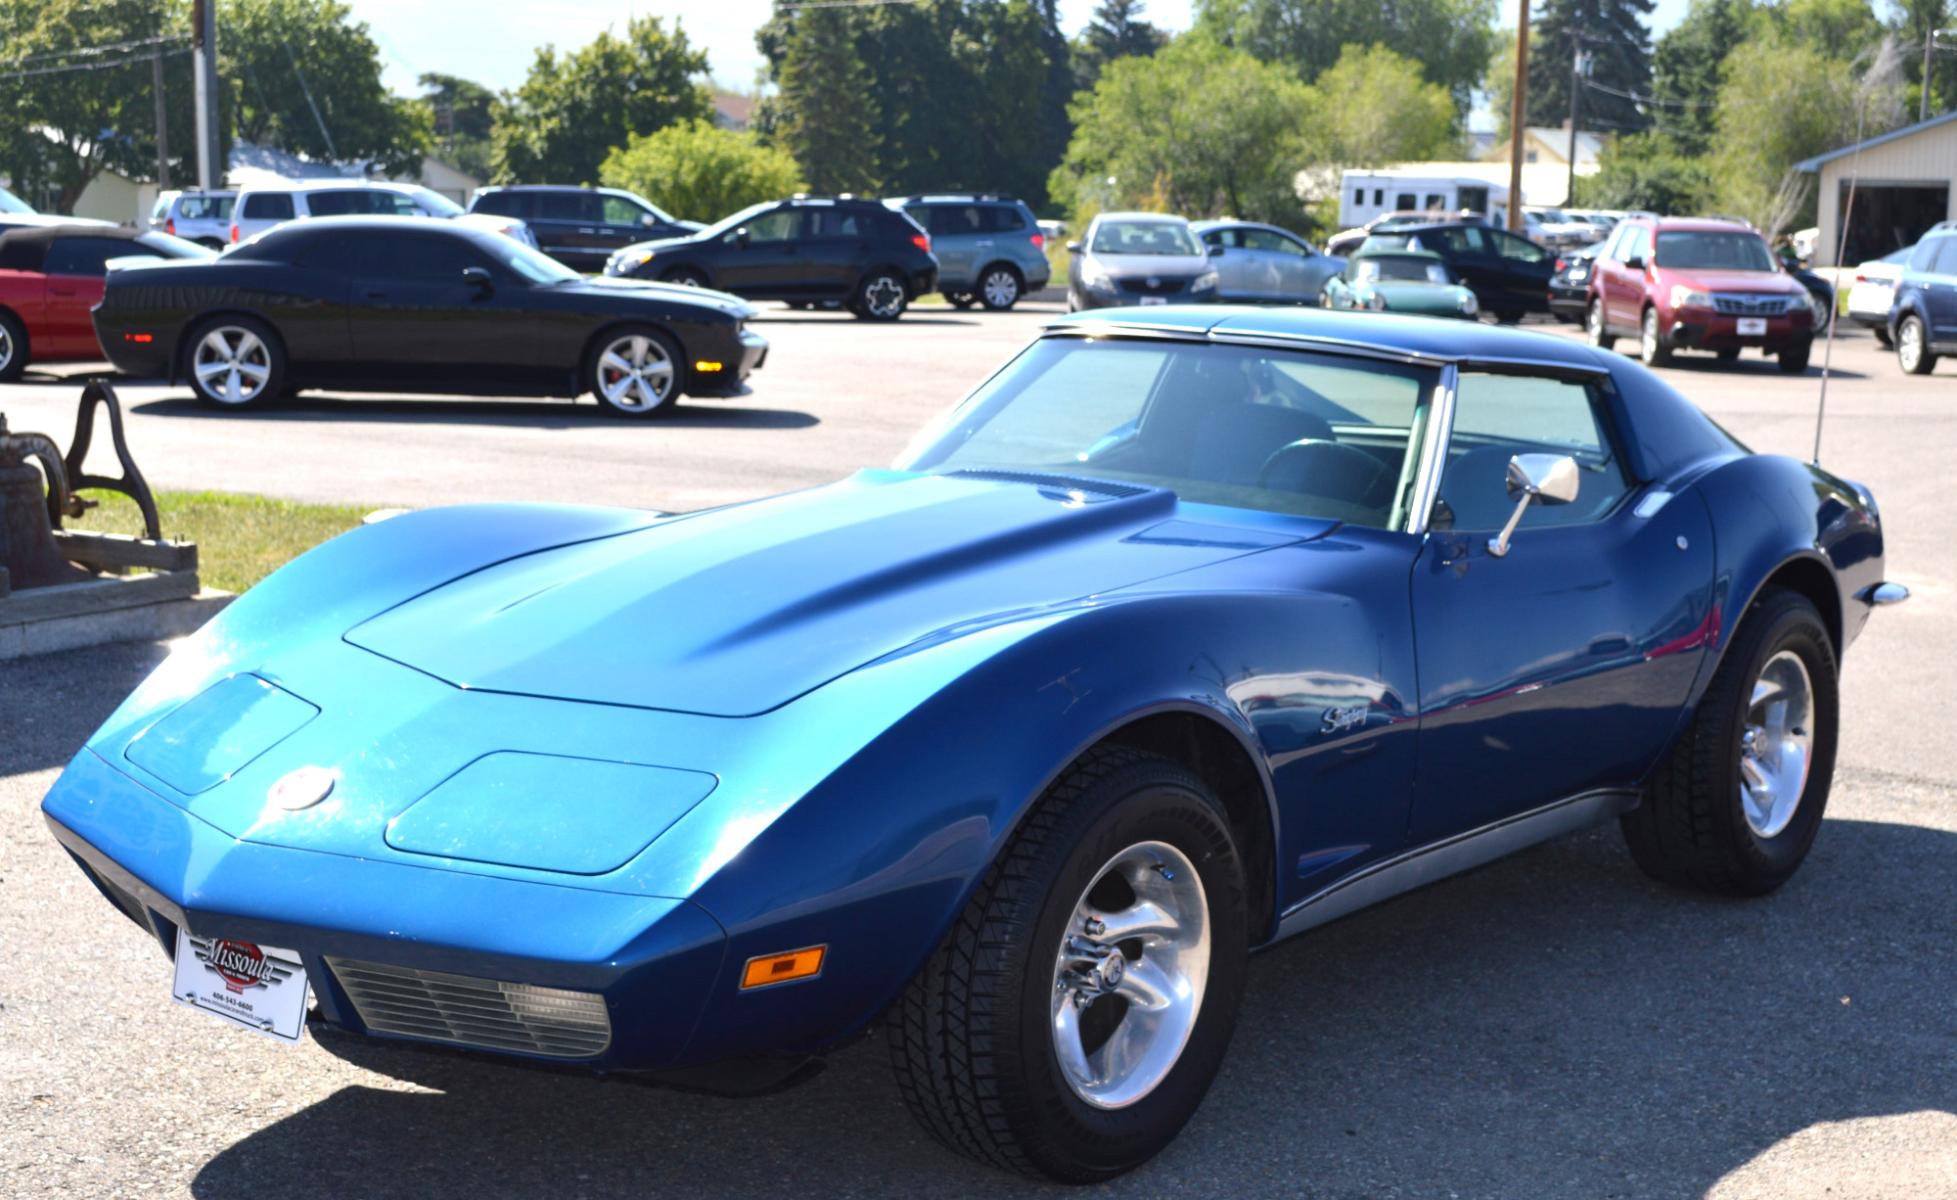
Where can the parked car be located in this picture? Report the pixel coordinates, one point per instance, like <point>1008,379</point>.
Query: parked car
<point>1873,292</point>
<point>16,213</point>
<point>990,249</point>
<point>51,276</point>
<point>259,209</point>
<point>1265,264</point>
<point>581,226</point>
<point>1923,314</point>
<point>1138,258</point>
<point>1410,282</point>
<point>1569,287</point>
<point>1190,630</point>
<point>380,304</point>
<point>805,250</point>
<point>1700,284</point>
<point>201,217</point>
<point>1559,230</point>
<point>1344,242</point>
<point>1508,272</point>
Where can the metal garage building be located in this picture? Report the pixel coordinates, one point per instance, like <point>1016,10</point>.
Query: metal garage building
<point>1904,180</point>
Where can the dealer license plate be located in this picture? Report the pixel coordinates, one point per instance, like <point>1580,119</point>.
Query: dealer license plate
<point>1752,326</point>
<point>1153,300</point>
<point>262,988</point>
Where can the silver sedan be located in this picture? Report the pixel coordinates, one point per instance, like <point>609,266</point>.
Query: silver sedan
<point>1265,264</point>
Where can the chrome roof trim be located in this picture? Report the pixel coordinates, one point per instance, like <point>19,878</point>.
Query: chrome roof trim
<point>1433,452</point>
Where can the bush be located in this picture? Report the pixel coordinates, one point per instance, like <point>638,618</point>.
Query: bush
<point>700,172</point>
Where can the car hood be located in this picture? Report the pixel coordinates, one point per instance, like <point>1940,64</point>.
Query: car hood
<point>1730,281</point>
<point>1168,266</point>
<point>619,285</point>
<point>735,611</point>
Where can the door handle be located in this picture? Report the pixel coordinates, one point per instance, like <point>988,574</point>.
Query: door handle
<point>587,230</point>
<point>376,295</point>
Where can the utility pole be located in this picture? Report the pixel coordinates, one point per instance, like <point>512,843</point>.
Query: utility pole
<point>1929,45</point>
<point>162,121</point>
<point>1518,116</point>
<point>203,56</point>
<point>1578,55</point>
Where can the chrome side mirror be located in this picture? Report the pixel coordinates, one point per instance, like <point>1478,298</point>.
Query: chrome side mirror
<point>1549,478</point>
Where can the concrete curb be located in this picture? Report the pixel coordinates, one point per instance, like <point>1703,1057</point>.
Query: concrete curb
<point>143,623</point>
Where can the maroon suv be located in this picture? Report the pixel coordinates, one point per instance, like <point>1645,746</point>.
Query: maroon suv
<point>1679,284</point>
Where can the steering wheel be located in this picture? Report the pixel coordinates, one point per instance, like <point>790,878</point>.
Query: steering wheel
<point>1315,467</point>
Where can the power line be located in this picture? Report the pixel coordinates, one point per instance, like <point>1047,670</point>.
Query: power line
<point>97,66</point>
<point>106,48</point>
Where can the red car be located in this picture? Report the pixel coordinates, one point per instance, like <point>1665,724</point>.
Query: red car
<point>51,276</point>
<point>1678,284</point>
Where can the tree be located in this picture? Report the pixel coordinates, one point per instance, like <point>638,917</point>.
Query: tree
<point>1454,38</point>
<point>1406,119</point>
<point>305,77</point>
<point>698,171</point>
<point>1689,64</point>
<point>1647,171</point>
<point>574,107</point>
<point>1199,129</point>
<point>1613,34</point>
<point>1117,30</point>
<point>462,113</point>
<point>1915,21</point>
<point>828,110</point>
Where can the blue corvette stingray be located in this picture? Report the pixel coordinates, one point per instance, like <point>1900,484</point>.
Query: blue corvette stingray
<point>1190,630</point>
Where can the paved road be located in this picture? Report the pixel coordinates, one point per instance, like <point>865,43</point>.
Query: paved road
<point>1553,1025</point>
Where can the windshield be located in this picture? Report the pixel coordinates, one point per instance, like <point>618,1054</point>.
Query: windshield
<point>1252,427</point>
<point>12,203</point>
<point>434,203</point>
<point>1400,266</point>
<point>1713,250</point>
<point>1154,236</point>
<point>533,265</point>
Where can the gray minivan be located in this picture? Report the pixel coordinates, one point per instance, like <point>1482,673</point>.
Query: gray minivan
<point>989,248</point>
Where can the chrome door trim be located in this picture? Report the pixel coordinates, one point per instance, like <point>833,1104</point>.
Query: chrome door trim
<point>1464,851</point>
<point>1433,451</point>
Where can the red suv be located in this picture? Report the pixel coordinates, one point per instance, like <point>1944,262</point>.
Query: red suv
<point>1680,284</point>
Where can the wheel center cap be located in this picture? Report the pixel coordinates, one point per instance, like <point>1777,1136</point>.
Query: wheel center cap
<point>1108,972</point>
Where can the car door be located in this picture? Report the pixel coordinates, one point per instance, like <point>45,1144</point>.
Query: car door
<point>1225,245</point>
<point>1295,278</point>
<point>1562,666</point>
<point>1472,260</point>
<point>1624,301</point>
<point>955,231</point>
<point>622,221</point>
<point>566,226</point>
<point>74,268</point>
<point>835,251</point>
<point>1259,264</point>
<point>763,258</point>
<point>1939,284</point>
<point>414,318</point>
<point>1525,270</point>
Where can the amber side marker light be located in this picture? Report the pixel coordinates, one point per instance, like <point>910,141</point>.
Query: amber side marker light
<point>783,968</point>
<point>705,364</point>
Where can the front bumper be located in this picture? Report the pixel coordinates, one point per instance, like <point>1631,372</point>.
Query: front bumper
<point>745,354</point>
<point>654,960</point>
<point>1704,329</point>
<point>1115,296</point>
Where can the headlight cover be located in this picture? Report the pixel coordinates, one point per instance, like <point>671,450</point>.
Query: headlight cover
<point>1204,282</point>
<point>1688,297</point>
<point>1095,275</point>
<point>1469,305</point>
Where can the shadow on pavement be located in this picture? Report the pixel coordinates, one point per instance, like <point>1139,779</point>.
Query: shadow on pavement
<point>51,703</point>
<point>558,414</point>
<point>1553,1025</point>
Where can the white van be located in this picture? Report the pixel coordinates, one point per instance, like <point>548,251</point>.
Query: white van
<point>260,208</point>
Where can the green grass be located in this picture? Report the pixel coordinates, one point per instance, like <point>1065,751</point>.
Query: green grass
<point>240,539</point>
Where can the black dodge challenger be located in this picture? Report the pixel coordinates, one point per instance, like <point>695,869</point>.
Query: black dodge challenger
<point>372,304</point>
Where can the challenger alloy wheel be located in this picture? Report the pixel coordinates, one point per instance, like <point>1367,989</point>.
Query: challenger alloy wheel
<point>13,348</point>
<point>999,290</point>
<point>1076,1013</point>
<point>234,362</point>
<point>637,373</point>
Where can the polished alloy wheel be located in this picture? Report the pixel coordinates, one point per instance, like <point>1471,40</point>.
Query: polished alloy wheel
<point>1909,345</point>
<point>1776,744</point>
<point>883,296</point>
<point>6,346</point>
<point>232,365</point>
<point>1001,289</point>
<point>1649,338</point>
<point>1129,978</point>
<point>635,374</point>
<point>1594,324</point>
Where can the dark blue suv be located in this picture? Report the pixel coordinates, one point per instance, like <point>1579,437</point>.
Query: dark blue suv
<point>1923,316</point>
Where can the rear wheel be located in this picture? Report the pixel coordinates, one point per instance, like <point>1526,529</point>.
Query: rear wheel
<point>13,347</point>
<point>1736,804</point>
<point>1593,325</point>
<point>234,362</point>
<point>999,287</point>
<point>1729,354</point>
<point>1913,347</point>
<point>636,372</point>
<point>880,297</point>
<point>1651,342</point>
<point>1077,1012</point>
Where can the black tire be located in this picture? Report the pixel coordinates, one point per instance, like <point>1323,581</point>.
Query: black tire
<point>1593,325</point>
<point>1691,829</point>
<point>15,352</point>
<point>971,1039</point>
<point>1729,354</point>
<point>1508,316</point>
<point>685,277</point>
<point>1882,337</point>
<point>959,299</point>
<point>253,344</point>
<point>602,375</point>
<point>1911,332</point>
<point>1653,350</point>
<point>1793,358</point>
<point>1000,287</point>
<point>880,296</point>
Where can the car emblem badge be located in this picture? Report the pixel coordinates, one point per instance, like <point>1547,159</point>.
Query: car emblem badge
<point>302,788</point>
<point>1338,720</point>
<point>1154,282</point>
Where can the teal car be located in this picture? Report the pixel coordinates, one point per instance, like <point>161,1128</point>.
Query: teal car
<point>1401,281</point>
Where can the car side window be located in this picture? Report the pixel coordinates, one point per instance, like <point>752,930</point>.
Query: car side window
<point>268,206</point>
<point>85,255</point>
<point>425,259</point>
<point>1229,238</point>
<point>1519,249</point>
<point>1925,257</point>
<point>1946,256</point>
<point>1003,218</point>
<point>503,204</point>
<point>620,211</point>
<point>1274,242</point>
<point>833,223</point>
<point>1463,239</point>
<point>1498,416</point>
<point>563,206</point>
<point>777,226</point>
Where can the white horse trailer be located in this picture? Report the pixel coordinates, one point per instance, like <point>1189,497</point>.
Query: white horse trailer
<point>1368,195</point>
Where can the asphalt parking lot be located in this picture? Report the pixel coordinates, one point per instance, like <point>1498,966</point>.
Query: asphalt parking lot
<point>1553,1025</point>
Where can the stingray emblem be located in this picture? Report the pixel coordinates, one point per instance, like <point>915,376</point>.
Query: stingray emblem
<point>1338,720</point>
<point>302,788</point>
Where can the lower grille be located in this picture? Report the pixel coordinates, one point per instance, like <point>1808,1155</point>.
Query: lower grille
<point>1741,305</point>
<point>1152,286</point>
<point>484,1013</point>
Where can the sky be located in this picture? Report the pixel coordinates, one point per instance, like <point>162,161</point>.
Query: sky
<point>496,44</point>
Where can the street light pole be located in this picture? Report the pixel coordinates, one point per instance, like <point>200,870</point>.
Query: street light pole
<point>162,120</point>
<point>1576,115</point>
<point>203,56</point>
<point>1518,116</point>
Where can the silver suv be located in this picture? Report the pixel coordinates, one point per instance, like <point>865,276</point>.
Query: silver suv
<point>201,217</point>
<point>989,248</point>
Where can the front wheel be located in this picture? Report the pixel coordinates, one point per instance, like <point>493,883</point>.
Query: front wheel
<point>1651,341</point>
<point>234,362</point>
<point>1735,806</point>
<point>13,347</point>
<point>880,297</point>
<point>1794,359</point>
<point>1913,347</point>
<point>1078,1010</point>
<point>636,372</point>
<point>1593,325</point>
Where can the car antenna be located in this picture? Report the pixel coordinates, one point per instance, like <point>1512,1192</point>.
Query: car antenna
<point>1885,51</point>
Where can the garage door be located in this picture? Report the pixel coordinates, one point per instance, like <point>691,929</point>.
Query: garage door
<point>1889,216</point>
